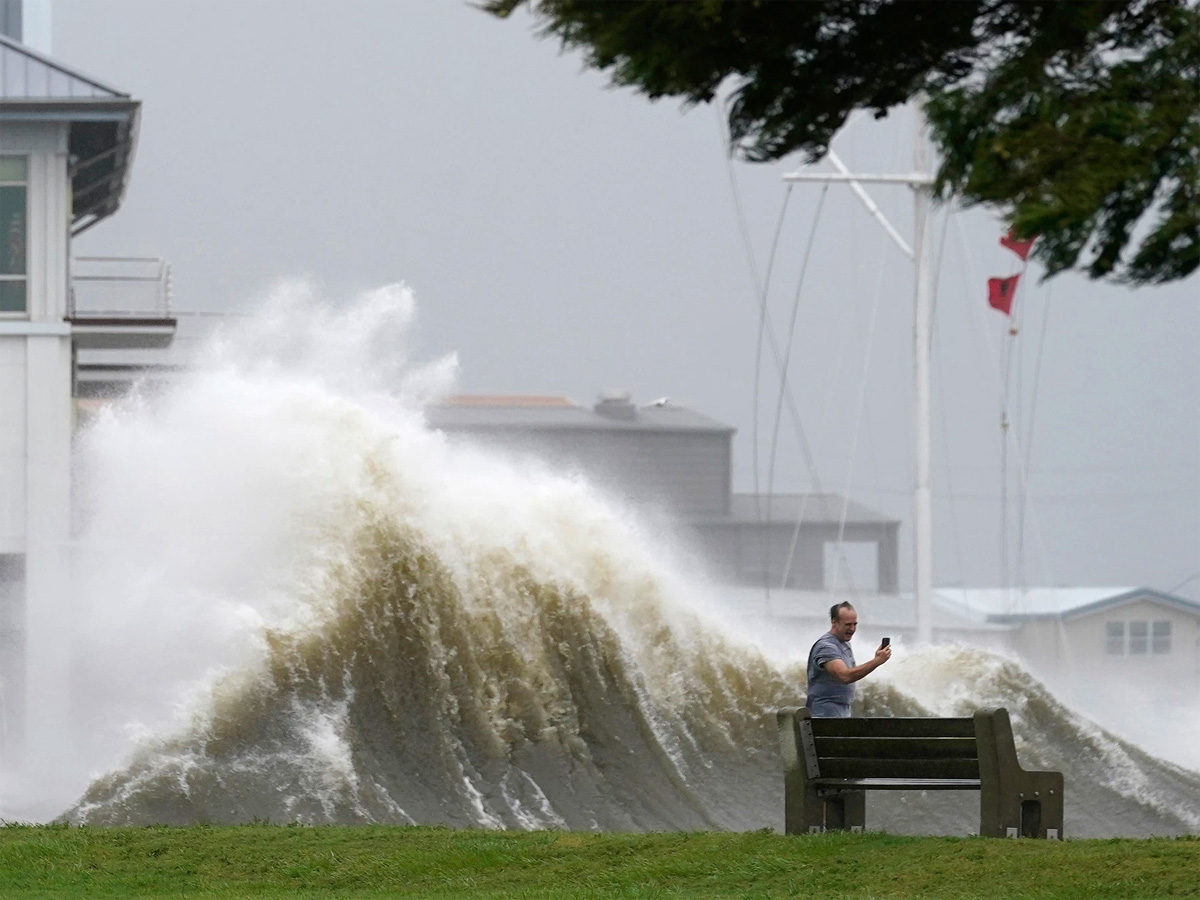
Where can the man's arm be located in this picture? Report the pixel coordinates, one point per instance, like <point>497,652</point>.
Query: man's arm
<point>846,675</point>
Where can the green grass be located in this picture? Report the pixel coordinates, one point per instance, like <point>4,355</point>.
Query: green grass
<point>335,862</point>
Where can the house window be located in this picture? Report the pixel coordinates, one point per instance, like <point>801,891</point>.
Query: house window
<point>1160,637</point>
<point>1139,638</point>
<point>1114,638</point>
<point>13,233</point>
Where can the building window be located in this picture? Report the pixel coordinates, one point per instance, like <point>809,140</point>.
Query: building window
<point>1160,637</point>
<point>1144,638</point>
<point>1139,634</point>
<point>14,230</point>
<point>1114,638</point>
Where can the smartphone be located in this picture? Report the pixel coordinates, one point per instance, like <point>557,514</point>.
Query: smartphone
<point>886,641</point>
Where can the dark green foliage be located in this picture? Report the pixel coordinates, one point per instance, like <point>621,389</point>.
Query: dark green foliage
<point>1079,121</point>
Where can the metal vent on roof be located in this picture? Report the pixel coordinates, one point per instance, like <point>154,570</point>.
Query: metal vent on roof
<point>616,405</point>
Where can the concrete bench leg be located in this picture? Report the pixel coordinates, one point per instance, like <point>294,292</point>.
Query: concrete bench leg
<point>803,810</point>
<point>846,811</point>
<point>1012,801</point>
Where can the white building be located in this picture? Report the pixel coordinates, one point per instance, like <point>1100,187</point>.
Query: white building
<point>1083,641</point>
<point>66,145</point>
<point>1091,634</point>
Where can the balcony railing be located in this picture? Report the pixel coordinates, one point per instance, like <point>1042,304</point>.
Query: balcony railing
<point>117,287</point>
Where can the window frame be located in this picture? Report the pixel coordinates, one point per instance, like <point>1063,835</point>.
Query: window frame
<point>1114,637</point>
<point>1160,638</point>
<point>23,277</point>
<point>1139,644</point>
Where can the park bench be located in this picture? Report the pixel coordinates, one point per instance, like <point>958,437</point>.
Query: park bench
<point>830,763</point>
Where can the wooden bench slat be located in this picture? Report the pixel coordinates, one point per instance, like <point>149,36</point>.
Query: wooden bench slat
<point>836,767</point>
<point>898,748</point>
<point>901,727</point>
<point>831,785</point>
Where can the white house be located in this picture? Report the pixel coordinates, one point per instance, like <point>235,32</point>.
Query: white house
<point>1086,637</point>
<point>66,145</point>
<point>1131,634</point>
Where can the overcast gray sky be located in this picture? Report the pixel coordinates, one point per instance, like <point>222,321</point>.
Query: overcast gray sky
<point>567,238</point>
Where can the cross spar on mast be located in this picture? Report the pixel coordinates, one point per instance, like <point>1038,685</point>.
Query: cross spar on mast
<point>921,182</point>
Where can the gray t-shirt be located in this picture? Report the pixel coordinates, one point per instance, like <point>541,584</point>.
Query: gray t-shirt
<point>826,695</point>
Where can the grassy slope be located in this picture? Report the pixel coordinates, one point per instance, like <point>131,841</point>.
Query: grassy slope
<point>275,861</point>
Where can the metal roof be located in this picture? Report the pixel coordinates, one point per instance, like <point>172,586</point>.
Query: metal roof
<point>1003,605</point>
<point>1163,599</point>
<point>964,609</point>
<point>552,414</point>
<point>877,612</point>
<point>506,400</point>
<point>815,508</point>
<point>27,74</point>
<point>103,125</point>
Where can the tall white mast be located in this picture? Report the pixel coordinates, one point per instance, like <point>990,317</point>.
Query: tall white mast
<point>921,183</point>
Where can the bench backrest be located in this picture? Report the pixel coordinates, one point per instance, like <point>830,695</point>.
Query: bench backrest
<point>890,748</point>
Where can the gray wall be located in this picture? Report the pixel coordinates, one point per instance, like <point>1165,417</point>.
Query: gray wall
<point>685,472</point>
<point>10,19</point>
<point>753,553</point>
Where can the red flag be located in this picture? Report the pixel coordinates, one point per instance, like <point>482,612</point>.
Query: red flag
<point>1001,292</point>
<point>1016,245</point>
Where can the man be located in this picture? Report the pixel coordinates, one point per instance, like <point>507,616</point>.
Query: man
<point>831,668</point>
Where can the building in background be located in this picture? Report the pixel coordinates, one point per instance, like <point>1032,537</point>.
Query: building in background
<point>677,463</point>
<point>1136,635</point>
<point>66,145</point>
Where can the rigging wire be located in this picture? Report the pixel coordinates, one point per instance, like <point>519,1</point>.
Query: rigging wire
<point>763,317</point>
<point>760,292</point>
<point>861,413</point>
<point>817,487</point>
<point>1010,351</point>
<point>816,483</point>
<point>757,393</point>
<point>762,289</point>
<point>1023,492</point>
<point>789,344</point>
<point>862,396</point>
<point>840,548</point>
<point>1024,498</point>
<point>941,384</point>
<point>1017,574</point>
<point>973,280</point>
<point>767,327</point>
<point>1184,583</point>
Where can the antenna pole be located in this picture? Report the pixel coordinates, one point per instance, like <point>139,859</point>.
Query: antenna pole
<point>921,182</point>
